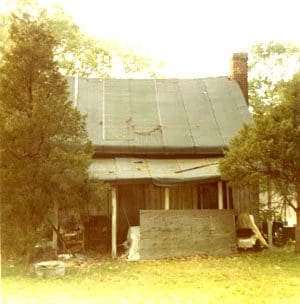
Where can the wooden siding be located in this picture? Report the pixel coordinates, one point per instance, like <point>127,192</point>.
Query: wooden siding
<point>166,233</point>
<point>154,197</point>
<point>246,200</point>
<point>183,197</point>
<point>133,197</point>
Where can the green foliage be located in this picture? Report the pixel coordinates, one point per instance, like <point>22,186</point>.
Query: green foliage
<point>76,52</point>
<point>134,64</point>
<point>91,195</point>
<point>265,151</point>
<point>269,64</point>
<point>45,151</point>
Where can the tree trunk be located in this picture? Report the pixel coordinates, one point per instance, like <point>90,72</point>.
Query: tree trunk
<point>29,246</point>
<point>269,219</point>
<point>29,236</point>
<point>55,223</point>
<point>297,230</point>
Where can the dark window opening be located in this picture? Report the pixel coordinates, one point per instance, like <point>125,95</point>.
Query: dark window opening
<point>208,196</point>
<point>230,197</point>
<point>225,196</point>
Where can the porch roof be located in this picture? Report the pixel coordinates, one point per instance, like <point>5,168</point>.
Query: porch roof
<point>159,171</point>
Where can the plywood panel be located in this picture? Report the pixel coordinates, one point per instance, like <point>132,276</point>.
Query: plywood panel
<point>166,233</point>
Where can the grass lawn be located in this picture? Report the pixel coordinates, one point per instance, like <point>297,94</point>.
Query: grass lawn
<point>265,277</point>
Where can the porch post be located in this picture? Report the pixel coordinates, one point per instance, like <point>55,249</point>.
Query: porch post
<point>114,222</point>
<point>167,198</point>
<point>220,195</point>
<point>227,196</point>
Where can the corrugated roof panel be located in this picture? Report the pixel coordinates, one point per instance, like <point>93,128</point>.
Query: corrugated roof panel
<point>196,116</point>
<point>237,95</point>
<point>227,114</point>
<point>131,168</point>
<point>104,169</point>
<point>116,104</point>
<point>175,126</point>
<point>159,168</point>
<point>203,168</point>
<point>204,128</point>
<point>90,102</point>
<point>145,121</point>
<point>110,169</point>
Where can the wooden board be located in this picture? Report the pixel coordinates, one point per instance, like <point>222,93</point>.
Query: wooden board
<point>166,233</point>
<point>246,200</point>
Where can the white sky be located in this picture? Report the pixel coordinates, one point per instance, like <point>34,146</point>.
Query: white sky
<point>193,38</point>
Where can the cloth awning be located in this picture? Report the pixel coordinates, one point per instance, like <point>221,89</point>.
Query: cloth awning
<point>162,172</point>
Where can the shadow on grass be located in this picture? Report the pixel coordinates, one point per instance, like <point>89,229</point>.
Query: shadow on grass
<point>284,256</point>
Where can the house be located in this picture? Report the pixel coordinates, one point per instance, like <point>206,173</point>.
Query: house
<point>158,143</point>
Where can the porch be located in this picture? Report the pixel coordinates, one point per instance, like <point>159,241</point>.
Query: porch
<point>159,184</point>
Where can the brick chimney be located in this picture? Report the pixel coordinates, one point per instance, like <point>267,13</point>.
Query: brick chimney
<point>239,72</point>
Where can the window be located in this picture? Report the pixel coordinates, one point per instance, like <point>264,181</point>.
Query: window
<point>208,196</point>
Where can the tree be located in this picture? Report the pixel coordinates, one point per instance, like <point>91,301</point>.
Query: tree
<point>45,151</point>
<point>134,65</point>
<point>297,118</point>
<point>78,53</point>
<point>269,64</point>
<point>265,151</point>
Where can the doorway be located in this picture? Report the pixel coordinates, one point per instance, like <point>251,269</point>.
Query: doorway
<point>131,198</point>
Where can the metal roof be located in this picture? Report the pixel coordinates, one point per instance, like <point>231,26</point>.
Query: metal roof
<point>165,116</point>
<point>160,171</point>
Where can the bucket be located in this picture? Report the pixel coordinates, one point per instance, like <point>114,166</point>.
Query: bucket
<point>49,269</point>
